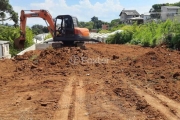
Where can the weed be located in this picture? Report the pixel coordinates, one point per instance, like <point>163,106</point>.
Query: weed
<point>33,57</point>
<point>149,34</point>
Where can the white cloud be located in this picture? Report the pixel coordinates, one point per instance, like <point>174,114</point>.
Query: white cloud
<point>167,1</point>
<point>84,10</point>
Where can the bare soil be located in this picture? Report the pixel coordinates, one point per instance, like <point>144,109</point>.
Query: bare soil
<point>103,82</point>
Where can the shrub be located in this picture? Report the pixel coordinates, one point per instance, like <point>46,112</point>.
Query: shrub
<point>104,31</point>
<point>150,34</point>
<point>9,33</point>
<point>120,38</point>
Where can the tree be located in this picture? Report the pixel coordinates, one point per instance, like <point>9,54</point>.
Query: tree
<point>99,24</point>
<point>88,25</point>
<point>5,7</point>
<point>39,29</point>
<point>45,29</point>
<point>94,20</point>
<point>114,22</point>
<point>2,16</point>
<point>81,24</point>
<point>176,4</point>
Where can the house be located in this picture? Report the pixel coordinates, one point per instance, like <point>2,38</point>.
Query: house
<point>126,15</point>
<point>105,27</point>
<point>146,17</point>
<point>139,20</point>
<point>4,49</point>
<point>169,12</point>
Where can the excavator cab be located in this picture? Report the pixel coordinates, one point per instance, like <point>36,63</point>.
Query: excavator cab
<point>64,26</point>
<point>68,32</point>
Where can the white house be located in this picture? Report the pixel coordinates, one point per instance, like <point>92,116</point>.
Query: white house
<point>169,12</point>
<point>4,49</point>
<point>146,17</point>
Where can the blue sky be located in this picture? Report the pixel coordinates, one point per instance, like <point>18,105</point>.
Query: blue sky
<point>105,10</point>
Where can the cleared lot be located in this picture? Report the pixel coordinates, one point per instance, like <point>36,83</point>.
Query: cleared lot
<point>104,82</point>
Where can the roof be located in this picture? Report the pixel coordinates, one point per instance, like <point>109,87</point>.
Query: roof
<point>146,14</point>
<point>3,42</point>
<point>60,16</point>
<point>136,18</point>
<point>129,12</point>
<point>171,7</point>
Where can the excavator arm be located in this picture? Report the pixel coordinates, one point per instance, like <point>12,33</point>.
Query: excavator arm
<point>44,14</point>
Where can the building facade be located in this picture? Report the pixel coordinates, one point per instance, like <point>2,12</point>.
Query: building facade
<point>105,27</point>
<point>169,12</point>
<point>127,15</point>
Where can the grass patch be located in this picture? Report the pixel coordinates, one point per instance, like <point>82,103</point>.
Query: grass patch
<point>149,35</point>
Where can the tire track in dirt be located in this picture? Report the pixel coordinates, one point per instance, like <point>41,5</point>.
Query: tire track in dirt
<point>100,105</point>
<point>170,103</point>
<point>64,103</point>
<point>110,107</point>
<point>72,104</point>
<point>80,107</point>
<point>156,103</point>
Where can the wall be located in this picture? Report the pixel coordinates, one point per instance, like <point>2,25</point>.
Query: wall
<point>163,13</point>
<point>168,13</point>
<point>105,27</point>
<point>171,13</point>
<point>123,17</point>
<point>1,51</point>
<point>4,51</point>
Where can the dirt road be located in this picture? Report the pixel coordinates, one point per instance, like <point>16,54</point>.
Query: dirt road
<point>104,82</point>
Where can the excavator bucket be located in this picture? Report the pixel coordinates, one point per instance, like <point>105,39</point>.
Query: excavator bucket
<point>19,43</point>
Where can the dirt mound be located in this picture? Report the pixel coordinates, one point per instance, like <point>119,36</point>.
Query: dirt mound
<point>118,82</point>
<point>28,55</point>
<point>64,57</point>
<point>135,100</point>
<point>150,58</point>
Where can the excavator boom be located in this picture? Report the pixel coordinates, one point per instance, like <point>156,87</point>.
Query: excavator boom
<point>44,14</point>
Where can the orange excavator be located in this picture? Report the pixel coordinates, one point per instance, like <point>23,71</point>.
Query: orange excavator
<point>64,29</point>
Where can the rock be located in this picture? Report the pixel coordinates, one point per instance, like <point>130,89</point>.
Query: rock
<point>19,69</point>
<point>44,104</point>
<point>53,63</point>
<point>115,57</point>
<point>140,105</point>
<point>176,75</point>
<point>33,66</point>
<point>40,69</point>
<point>162,77</point>
<point>29,98</point>
<point>157,88</point>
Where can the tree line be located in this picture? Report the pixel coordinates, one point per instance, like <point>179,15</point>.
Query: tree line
<point>95,23</point>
